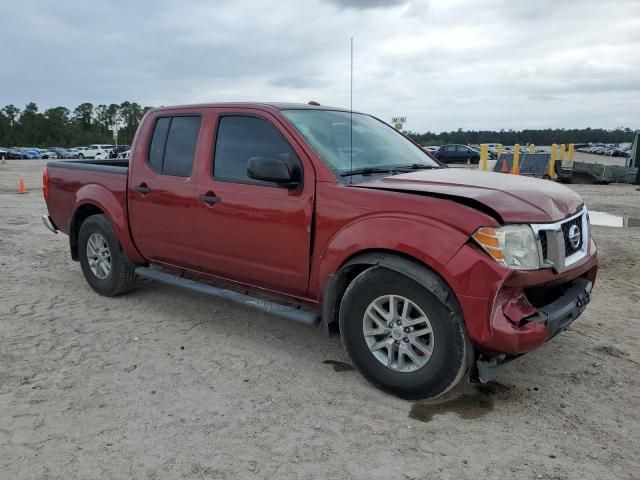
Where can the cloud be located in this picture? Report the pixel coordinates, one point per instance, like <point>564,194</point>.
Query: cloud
<point>366,4</point>
<point>458,63</point>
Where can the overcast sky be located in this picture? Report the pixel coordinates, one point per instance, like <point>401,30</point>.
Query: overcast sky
<point>445,64</point>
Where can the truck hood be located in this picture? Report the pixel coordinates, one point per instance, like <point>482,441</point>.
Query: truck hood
<point>515,199</point>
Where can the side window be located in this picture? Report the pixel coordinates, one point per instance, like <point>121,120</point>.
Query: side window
<point>173,145</point>
<point>240,138</point>
<point>181,146</point>
<point>158,141</point>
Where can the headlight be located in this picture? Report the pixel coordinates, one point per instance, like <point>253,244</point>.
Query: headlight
<point>512,246</point>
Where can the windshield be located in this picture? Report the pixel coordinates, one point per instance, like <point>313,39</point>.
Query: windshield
<point>375,144</point>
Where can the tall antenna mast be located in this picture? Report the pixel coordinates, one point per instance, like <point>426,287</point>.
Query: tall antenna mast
<point>351,118</point>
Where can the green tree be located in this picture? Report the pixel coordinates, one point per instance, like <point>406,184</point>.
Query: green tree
<point>83,114</point>
<point>12,112</point>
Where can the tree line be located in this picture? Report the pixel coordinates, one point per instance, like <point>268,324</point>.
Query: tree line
<point>545,136</point>
<point>61,127</point>
<point>86,124</point>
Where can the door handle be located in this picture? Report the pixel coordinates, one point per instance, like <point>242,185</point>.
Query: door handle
<point>142,188</point>
<point>209,198</point>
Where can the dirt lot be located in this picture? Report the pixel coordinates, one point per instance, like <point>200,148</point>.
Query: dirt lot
<point>162,383</point>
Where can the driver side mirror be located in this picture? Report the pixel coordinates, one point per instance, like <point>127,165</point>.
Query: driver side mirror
<point>271,170</point>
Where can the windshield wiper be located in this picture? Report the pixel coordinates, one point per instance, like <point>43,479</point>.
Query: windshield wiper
<point>368,171</point>
<point>393,170</point>
<point>417,166</point>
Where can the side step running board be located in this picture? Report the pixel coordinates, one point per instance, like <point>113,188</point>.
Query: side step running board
<point>291,313</point>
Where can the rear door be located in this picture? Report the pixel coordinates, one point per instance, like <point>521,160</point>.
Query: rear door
<point>449,153</point>
<point>256,233</point>
<point>162,187</point>
<point>461,154</point>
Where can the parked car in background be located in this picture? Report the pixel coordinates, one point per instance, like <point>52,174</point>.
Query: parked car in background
<point>457,154</point>
<point>4,152</point>
<point>15,153</point>
<point>72,152</point>
<point>432,149</point>
<point>116,151</point>
<point>92,150</point>
<point>30,153</point>
<point>48,154</point>
<point>124,154</point>
<point>60,152</point>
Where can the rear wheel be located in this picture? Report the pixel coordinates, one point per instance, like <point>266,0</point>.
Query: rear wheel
<point>401,337</point>
<point>104,266</point>
<point>81,157</point>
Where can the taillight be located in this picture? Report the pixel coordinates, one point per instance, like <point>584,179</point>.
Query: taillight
<point>45,184</point>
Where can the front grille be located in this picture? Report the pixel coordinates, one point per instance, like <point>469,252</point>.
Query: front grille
<point>567,229</point>
<point>555,247</point>
<point>544,243</point>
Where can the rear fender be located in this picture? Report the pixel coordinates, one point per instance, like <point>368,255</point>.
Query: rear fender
<point>115,210</point>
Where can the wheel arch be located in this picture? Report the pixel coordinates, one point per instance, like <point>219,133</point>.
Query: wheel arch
<point>404,264</point>
<point>96,200</point>
<point>81,213</point>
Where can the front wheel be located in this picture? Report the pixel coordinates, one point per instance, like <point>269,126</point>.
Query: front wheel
<point>104,266</point>
<point>401,337</point>
<point>81,157</point>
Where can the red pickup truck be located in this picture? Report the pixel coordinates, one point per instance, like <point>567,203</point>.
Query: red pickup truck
<point>324,216</point>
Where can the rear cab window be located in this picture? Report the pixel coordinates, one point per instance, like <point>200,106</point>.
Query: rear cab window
<point>173,144</point>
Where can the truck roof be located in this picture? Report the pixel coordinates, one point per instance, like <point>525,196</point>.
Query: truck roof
<point>259,105</point>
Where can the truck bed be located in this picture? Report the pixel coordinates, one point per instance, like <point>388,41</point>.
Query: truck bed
<point>121,164</point>
<point>72,182</point>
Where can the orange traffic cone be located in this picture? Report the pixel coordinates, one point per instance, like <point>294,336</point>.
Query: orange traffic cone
<point>468,163</point>
<point>504,168</point>
<point>21,187</point>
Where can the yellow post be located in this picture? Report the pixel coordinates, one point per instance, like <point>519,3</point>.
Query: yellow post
<point>571,150</point>
<point>484,156</point>
<point>563,149</point>
<point>499,150</point>
<point>532,148</point>
<point>552,162</point>
<point>516,160</point>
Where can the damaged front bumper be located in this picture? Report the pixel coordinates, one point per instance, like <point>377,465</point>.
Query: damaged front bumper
<point>549,320</point>
<point>508,313</point>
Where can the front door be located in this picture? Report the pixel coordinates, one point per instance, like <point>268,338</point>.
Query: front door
<point>162,190</point>
<point>250,231</point>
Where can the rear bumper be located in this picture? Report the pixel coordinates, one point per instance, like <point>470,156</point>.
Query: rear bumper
<point>48,222</point>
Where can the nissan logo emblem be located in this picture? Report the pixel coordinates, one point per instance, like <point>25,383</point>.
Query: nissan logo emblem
<point>574,236</point>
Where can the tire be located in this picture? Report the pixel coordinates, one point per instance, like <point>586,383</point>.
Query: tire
<point>451,350</point>
<point>121,275</point>
<point>81,157</point>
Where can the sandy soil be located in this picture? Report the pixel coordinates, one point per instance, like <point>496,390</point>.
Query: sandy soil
<point>162,383</point>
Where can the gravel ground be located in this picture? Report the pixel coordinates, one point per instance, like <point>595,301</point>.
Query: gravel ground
<point>163,383</point>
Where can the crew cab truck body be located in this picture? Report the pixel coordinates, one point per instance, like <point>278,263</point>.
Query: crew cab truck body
<point>428,273</point>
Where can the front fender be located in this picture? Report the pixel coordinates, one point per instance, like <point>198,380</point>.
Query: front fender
<point>429,241</point>
<point>114,207</point>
